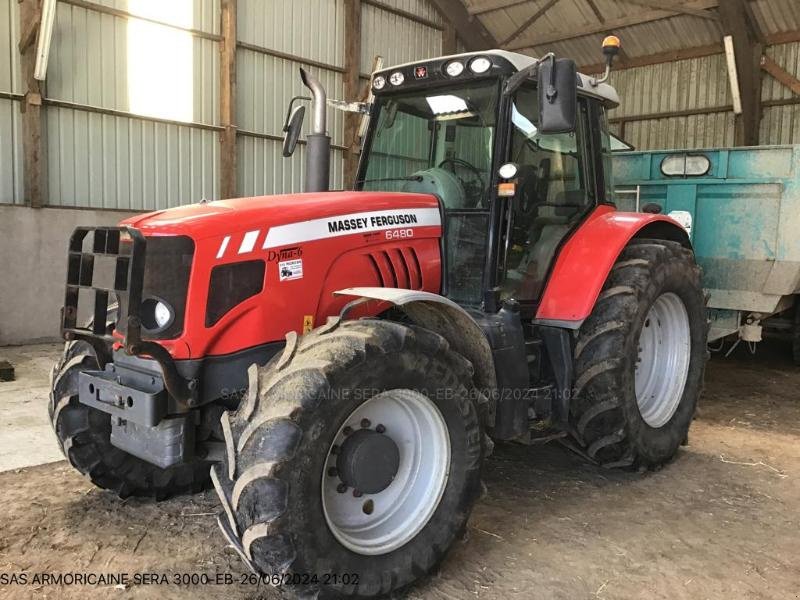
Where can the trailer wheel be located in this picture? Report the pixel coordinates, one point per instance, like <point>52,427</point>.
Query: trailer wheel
<point>354,461</point>
<point>640,358</point>
<point>84,437</point>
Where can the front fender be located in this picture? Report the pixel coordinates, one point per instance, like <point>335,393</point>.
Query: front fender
<point>587,257</point>
<point>446,318</point>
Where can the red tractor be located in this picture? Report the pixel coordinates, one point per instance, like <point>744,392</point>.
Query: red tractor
<point>337,364</point>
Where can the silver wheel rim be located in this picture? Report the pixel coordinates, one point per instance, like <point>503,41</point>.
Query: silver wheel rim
<point>400,511</point>
<point>663,363</point>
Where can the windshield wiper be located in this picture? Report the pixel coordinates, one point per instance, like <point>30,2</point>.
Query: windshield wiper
<point>408,178</point>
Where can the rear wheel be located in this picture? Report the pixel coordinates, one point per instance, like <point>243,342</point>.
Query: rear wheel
<point>640,358</point>
<point>354,461</point>
<point>84,436</point>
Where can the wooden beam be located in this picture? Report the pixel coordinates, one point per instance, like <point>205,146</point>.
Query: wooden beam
<point>449,40</point>
<point>747,51</point>
<point>784,37</point>
<point>657,58</point>
<point>403,13</point>
<point>473,34</point>
<point>530,21</point>
<point>597,13</point>
<point>679,9</point>
<point>612,24</point>
<point>124,14</point>
<point>227,100</point>
<point>32,149</point>
<point>781,74</point>
<point>494,8</point>
<point>352,69</point>
<point>752,21</point>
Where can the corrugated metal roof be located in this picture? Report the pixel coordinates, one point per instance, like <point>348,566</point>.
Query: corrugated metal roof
<point>571,17</point>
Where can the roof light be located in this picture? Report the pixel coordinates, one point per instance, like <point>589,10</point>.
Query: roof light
<point>379,82</point>
<point>397,78</point>
<point>443,105</point>
<point>480,65</point>
<point>455,68</point>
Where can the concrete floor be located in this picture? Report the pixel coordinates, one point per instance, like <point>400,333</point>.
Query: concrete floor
<point>721,521</point>
<point>26,437</point>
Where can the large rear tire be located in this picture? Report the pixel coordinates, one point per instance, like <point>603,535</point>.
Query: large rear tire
<point>84,437</point>
<point>640,358</point>
<point>290,505</point>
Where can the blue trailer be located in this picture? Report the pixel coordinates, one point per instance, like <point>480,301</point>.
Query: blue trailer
<point>741,207</point>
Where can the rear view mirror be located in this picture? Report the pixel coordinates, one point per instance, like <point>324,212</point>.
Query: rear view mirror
<point>291,131</point>
<point>558,95</point>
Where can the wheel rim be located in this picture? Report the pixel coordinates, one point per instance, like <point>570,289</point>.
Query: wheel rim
<point>381,522</point>
<point>663,362</point>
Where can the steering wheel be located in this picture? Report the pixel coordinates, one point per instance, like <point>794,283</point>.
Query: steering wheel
<point>475,185</point>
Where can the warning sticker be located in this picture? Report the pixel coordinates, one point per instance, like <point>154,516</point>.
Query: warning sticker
<point>291,269</point>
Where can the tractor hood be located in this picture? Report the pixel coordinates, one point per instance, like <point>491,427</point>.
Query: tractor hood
<point>228,217</point>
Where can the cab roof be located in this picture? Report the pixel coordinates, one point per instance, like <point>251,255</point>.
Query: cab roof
<point>606,93</point>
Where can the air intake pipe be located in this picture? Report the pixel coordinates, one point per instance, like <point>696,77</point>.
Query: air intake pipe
<point>318,150</point>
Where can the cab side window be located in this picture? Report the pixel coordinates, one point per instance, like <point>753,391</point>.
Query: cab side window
<point>553,191</point>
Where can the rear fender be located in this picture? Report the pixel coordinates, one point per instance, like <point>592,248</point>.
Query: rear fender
<point>446,318</point>
<point>587,258</point>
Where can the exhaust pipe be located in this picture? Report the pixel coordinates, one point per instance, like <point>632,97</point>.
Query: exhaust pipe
<point>318,149</point>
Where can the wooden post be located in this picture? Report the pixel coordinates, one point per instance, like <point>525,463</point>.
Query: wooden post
<point>352,69</point>
<point>30,15</point>
<point>747,50</point>
<point>227,100</point>
<point>449,39</point>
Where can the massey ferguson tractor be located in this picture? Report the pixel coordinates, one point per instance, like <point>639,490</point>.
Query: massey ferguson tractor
<point>337,364</point>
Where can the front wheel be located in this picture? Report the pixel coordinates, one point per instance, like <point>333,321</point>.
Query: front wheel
<point>640,358</point>
<point>354,461</point>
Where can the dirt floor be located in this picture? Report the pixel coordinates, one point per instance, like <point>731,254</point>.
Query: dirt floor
<point>722,521</point>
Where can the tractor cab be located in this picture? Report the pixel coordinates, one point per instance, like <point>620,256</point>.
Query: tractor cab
<point>469,129</point>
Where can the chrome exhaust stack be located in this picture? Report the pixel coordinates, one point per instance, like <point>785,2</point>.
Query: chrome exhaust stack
<point>318,150</point>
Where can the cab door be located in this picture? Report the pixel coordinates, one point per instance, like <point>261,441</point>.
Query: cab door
<point>556,187</point>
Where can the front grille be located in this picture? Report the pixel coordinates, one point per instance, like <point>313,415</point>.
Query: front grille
<point>167,266</point>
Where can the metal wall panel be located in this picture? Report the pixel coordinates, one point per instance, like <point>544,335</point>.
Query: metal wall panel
<point>11,190</point>
<point>312,29</point>
<point>681,85</point>
<point>107,161</point>
<point>205,13</point>
<point>695,131</point>
<point>104,161</point>
<point>421,8</point>
<point>264,171</point>
<point>89,63</point>
<point>397,39</point>
<point>781,124</point>
<point>266,84</point>
<point>694,84</point>
<point>9,56</point>
<point>788,57</point>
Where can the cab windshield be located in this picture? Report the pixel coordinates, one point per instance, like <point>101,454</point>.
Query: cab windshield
<point>436,141</point>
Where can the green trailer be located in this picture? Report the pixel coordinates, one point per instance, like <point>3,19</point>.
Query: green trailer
<point>741,207</point>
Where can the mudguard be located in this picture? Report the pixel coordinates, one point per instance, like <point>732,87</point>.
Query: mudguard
<point>446,318</point>
<point>587,257</point>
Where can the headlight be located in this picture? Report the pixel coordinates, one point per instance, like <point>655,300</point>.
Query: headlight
<point>455,68</point>
<point>397,78</point>
<point>480,65</point>
<point>156,314</point>
<point>162,314</point>
<point>379,82</point>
